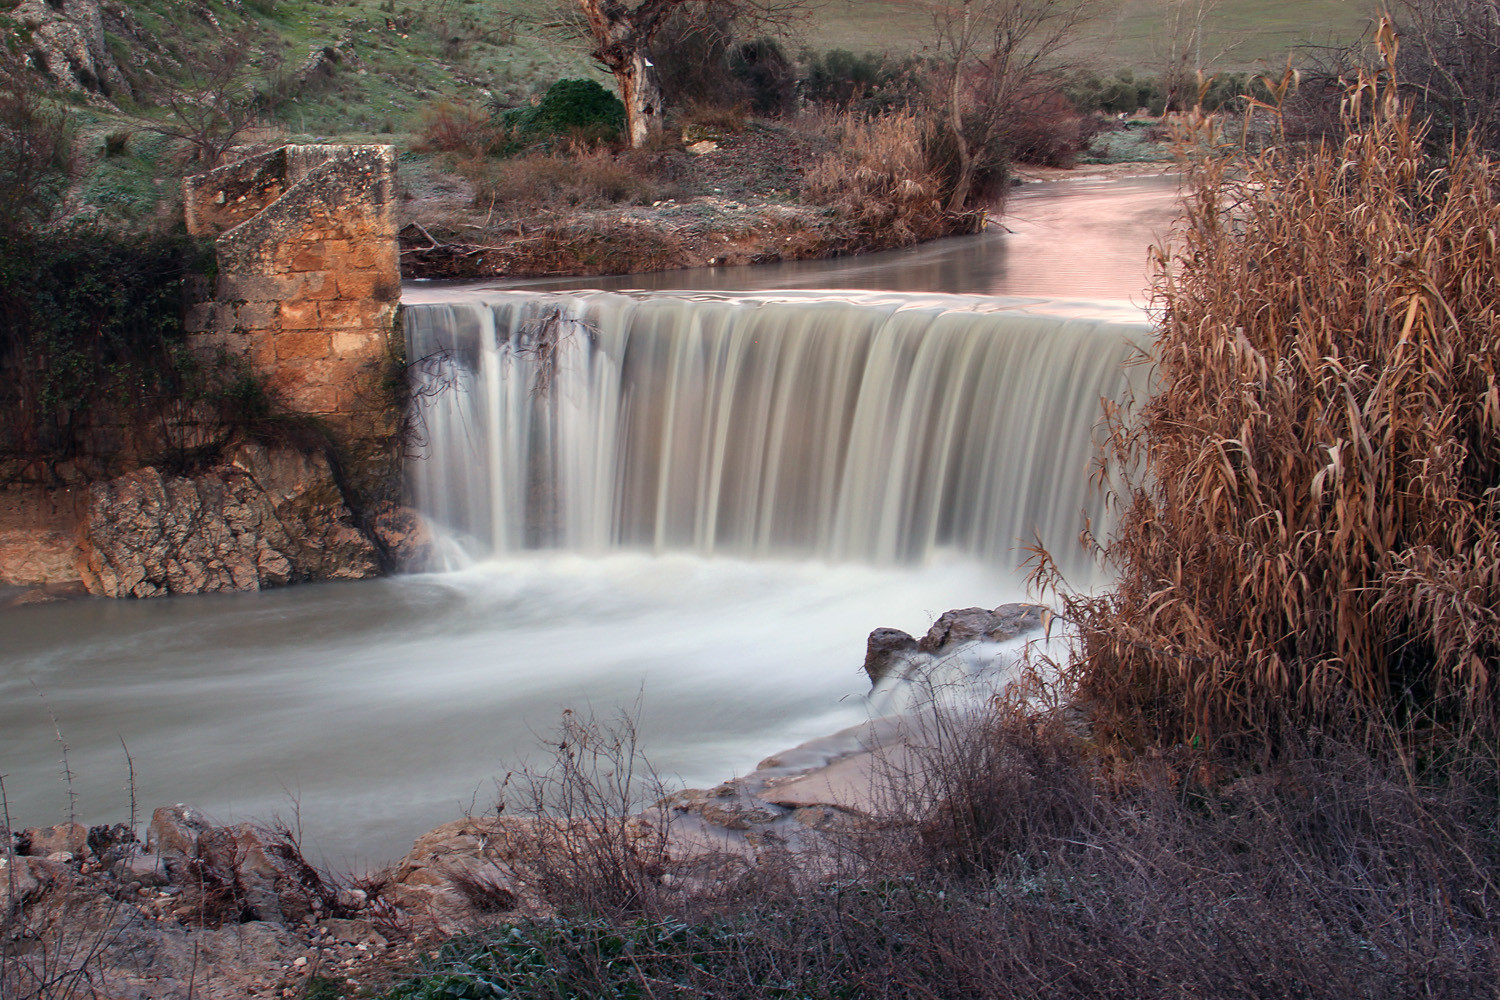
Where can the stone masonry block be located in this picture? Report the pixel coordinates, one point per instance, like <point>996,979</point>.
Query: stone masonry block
<point>375,256</point>
<point>257,287</point>
<point>258,315</point>
<point>310,258</point>
<point>347,315</point>
<point>302,346</point>
<point>313,399</point>
<point>300,315</point>
<point>375,285</point>
<point>355,343</point>
<point>320,286</point>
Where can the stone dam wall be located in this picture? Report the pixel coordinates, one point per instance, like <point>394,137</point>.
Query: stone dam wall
<point>306,292</point>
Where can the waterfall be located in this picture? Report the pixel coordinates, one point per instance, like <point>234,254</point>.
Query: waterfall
<point>878,428</point>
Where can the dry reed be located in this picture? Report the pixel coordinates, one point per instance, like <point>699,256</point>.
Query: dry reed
<point>878,179</point>
<point>1312,533</point>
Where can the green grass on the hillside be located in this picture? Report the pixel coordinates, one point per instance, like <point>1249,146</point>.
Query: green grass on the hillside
<point>1238,34</point>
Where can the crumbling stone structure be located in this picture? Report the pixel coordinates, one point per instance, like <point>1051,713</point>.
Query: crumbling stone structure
<point>308,288</point>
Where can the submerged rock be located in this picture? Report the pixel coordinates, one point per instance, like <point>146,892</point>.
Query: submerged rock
<point>269,516</point>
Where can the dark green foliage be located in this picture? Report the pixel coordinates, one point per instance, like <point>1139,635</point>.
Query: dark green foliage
<point>579,109</point>
<point>1118,93</point>
<point>1125,92</point>
<point>766,76</point>
<point>869,82</point>
<point>562,958</point>
<point>603,960</point>
<point>91,337</point>
<point>322,988</point>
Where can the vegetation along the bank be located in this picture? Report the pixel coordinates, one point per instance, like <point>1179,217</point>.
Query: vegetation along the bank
<point>1269,768</point>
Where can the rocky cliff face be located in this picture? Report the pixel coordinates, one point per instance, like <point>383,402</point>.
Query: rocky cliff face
<point>67,39</point>
<point>267,517</point>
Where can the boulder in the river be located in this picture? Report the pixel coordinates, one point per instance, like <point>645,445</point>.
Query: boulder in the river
<point>961,625</point>
<point>24,878</point>
<point>884,649</point>
<point>176,830</point>
<point>976,624</point>
<point>404,535</point>
<point>1012,620</point>
<point>269,516</point>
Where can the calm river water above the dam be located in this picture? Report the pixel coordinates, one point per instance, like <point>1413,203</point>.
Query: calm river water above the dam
<point>715,548</point>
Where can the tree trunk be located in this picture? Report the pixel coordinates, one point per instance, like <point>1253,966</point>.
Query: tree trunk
<point>956,113</point>
<point>622,35</point>
<point>641,92</point>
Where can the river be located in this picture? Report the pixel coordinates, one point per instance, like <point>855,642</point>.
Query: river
<point>373,711</point>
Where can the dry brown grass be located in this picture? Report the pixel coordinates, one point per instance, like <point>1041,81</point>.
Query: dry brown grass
<point>1312,533</point>
<point>575,179</point>
<point>453,127</point>
<point>878,179</point>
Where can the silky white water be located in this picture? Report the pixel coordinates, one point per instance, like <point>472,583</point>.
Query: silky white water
<point>712,506</point>
<point>848,427</point>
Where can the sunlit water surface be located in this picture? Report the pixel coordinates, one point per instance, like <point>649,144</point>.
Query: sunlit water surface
<point>377,710</point>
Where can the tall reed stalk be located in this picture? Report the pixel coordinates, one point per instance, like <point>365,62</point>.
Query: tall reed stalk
<point>1313,534</point>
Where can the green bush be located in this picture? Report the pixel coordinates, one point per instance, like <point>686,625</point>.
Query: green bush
<point>869,83</point>
<point>565,958</point>
<point>579,109</point>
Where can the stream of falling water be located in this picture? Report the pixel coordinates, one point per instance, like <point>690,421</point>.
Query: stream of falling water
<point>715,501</point>
<point>880,429</point>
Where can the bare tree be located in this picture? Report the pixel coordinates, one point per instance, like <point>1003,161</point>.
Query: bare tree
<point>998,58</point>
<point>1450,57</point>
<point>1181,51</point>
<point>213,105</point>
<point>622,31</point>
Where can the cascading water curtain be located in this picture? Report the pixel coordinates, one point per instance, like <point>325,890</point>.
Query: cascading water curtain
<point>878,428</point>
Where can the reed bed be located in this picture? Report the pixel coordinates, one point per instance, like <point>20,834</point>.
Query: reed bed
<point>1311,535</point>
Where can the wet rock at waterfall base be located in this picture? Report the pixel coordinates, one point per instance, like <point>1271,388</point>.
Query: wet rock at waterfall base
<point>267,517</point>
<point>978,625</point>
<point>884,649</point>
<point>404,535</point>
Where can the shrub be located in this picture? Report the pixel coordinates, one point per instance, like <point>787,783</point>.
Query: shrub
<point>767,77</point>
<point>1010,861</point>
<point>1310,530</point>
<point>871,83</point>
<point>878,178</point>
<point>36,149</point>
<point>91,340</point>
<point>691,53</point>
<point>578,109</point>
<point>449,127</point>
<point>558,180</point>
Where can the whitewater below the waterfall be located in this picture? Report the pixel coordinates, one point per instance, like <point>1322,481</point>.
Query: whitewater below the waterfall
<point>381,709</point>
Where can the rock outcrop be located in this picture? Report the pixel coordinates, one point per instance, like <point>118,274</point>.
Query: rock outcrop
<point>888,648</point>
<point>200,911</point>
<point>269,516</point>
<point>67,43</point>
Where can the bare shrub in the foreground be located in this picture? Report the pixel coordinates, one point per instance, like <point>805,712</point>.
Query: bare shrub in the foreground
<point>1314,528</point>
<point>588,849</point>
<point>1331,873</point>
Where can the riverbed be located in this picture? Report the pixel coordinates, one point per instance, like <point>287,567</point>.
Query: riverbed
<point>369,712</point>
